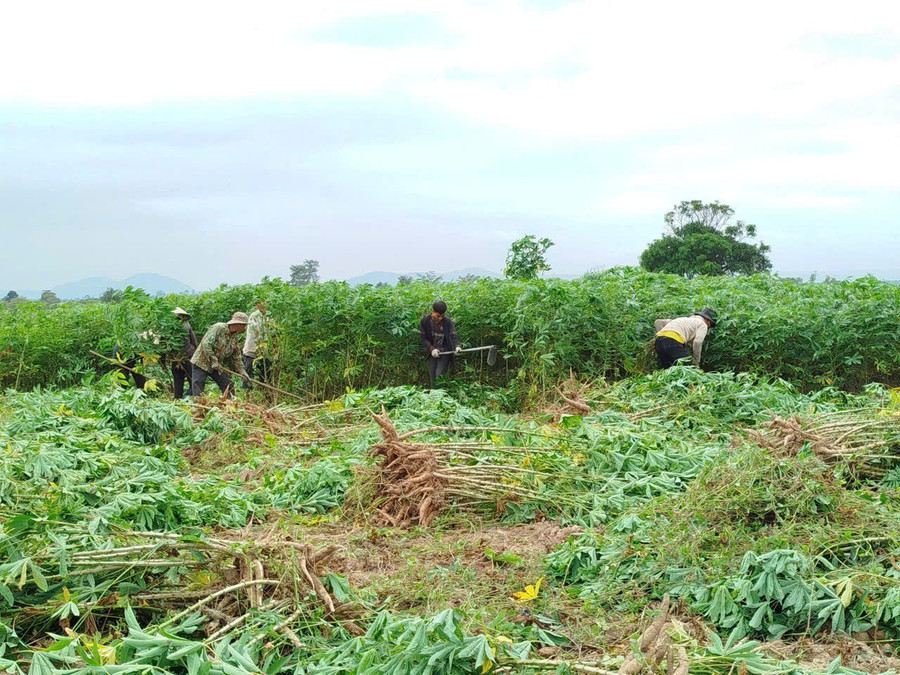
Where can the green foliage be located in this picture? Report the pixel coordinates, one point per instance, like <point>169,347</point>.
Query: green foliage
<point>111,295</point>
<point>756,545</point>
<point>776,592</point>
<point>305,273</point>
<point>527,258</point>
<point>434,645</point>
<point>331,336</point>
<point>702,242</point>
<point>101,516</point>
<point>313,489</point>
<point>49,298</point>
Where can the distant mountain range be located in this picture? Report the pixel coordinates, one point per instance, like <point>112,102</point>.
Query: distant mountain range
<point>93,287</point>
<point>392,277</point>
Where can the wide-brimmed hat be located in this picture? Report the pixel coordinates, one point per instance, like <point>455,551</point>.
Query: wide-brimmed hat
<point>239,318</point>
<point>180,312</point>
<point>707,313</point>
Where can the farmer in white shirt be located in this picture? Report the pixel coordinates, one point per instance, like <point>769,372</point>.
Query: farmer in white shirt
<point>255,335</point>
<point>674,337</point>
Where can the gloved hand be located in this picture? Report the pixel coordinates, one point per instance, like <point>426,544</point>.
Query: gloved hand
<point>458,350</point>
<point>435,353</point>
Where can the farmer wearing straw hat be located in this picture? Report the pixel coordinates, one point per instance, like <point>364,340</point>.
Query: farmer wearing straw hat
<point>181,364</point>
<point>673,337</point>
<point>218,348</point>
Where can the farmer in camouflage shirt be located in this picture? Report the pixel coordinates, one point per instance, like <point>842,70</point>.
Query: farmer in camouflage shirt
<point>218,348</point>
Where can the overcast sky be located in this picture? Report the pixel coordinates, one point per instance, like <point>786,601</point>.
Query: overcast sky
<point>220,142</point>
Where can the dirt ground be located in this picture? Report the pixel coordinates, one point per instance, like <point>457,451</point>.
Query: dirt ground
<point>368,552</point>
<point>865,655</point>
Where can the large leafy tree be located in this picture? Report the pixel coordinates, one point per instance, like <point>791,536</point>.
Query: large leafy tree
<point>527,257</point>
<point>702,239</point>
<point>305,273</point>
<point>431,277</point>
<point>111,295</point>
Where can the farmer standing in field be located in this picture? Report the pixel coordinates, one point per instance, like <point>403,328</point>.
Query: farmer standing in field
<point>218,348</point>
<point>673,337</point>
<point>256,334</point>
<point>438,334</point>
<point>181,363</point>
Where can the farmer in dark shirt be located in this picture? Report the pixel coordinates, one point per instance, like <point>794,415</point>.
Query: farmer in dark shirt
<point>181,362</point>
<point>438,335</point>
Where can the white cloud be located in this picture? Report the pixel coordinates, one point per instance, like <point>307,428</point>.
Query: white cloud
<point>637,67</point>
<point>704,100</point>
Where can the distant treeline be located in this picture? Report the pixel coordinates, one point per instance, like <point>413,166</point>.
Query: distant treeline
<point>331,336</point>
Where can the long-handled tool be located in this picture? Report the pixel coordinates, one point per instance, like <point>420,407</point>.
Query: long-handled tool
<point>263,384</point>
<point>490,349</point>
<point>121,365</point>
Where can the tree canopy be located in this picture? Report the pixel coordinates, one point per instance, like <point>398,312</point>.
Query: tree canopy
<point>527,257</point>
<point>702,239</point>
<point>305,273</point>
<point>111,295</point>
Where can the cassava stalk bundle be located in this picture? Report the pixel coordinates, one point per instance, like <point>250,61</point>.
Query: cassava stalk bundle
<point>242,575</point>
<point>408,488</point>
<point>869,444</point>
<point>414,480</point>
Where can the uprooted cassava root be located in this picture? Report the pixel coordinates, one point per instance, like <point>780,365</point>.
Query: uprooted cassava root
<point>655,646</point>
<point>409,489</point>
<point>869,445</point>
<point>414,480</point>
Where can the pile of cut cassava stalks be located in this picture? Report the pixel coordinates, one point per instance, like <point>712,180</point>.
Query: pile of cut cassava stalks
<point>867,442</point>
<point>414,480</point>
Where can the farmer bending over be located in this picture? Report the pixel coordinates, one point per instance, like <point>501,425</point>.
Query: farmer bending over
<point>217,348</point>
<point>438,335</point>
<point>673,337</point>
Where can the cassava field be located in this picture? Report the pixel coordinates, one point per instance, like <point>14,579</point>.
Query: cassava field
<point>568,510</point>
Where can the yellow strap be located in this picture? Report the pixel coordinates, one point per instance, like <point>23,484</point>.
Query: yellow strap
<point>671,334</point>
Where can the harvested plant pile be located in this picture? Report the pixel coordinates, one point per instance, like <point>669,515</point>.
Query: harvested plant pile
<point>868,442</point>
<point>123,556</point>
<point>408,487</point>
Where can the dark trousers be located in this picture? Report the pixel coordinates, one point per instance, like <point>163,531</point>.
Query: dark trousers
<point>139,380</point>
<point>261,366</point>
<point>248,366</point>
<point>198,380</point>
<point>438,367</point>
<point>669,350</point>
<point>181,374</point>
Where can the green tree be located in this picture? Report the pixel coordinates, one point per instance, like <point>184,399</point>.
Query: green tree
<point>111,295</point>
<point>12,295</point>
<point>305,273</point>
<point>527,257</point>
<point>430,276</point>
<point>701,239</point>
<point>49,298</point>
<point>404,279</point>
